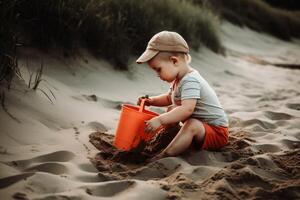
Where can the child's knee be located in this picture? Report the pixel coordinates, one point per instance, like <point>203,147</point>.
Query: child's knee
<point>195,129</point>
<point>194,125</point>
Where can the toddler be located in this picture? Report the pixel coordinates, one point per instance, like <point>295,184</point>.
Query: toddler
<point>190,98</point>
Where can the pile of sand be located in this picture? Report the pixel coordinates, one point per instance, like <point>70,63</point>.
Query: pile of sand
<point>232,172</point>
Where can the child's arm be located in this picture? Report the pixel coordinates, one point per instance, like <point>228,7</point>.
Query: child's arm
<point>179,113</point>
<point>160,101</point>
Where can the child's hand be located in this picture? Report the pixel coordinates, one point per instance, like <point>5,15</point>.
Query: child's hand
<point>152,124</point>
<point>148,101</point>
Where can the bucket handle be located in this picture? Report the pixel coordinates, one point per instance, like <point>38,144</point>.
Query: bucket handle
<point>142,105</point>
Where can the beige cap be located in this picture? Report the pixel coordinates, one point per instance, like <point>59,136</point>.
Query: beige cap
<point>163,41</point>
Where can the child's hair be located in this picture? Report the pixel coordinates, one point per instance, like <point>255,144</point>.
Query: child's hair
<point>167,54</point>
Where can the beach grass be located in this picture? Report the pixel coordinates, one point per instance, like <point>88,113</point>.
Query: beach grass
<point>8,42</point>
<point>285,4</point>
<point>117,30</point>
<point>114,30</point>
<point>257,15</point>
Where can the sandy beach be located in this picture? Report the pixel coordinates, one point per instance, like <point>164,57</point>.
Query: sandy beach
<point>48,145</point>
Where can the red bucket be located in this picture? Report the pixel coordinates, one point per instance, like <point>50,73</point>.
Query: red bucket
<point>130,131</point>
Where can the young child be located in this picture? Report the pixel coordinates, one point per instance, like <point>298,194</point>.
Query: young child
<point>193,102</point>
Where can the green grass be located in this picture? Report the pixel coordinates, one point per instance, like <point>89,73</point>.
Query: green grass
<point>112,29</point>
<point>8,40</point>
<point>115,30</point>
<point>285,4</point>
<point>257,15</point>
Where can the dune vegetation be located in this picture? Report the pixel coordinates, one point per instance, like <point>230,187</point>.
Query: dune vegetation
<point>116,30</point>
<point>284,4</point>
<point>258,15</point>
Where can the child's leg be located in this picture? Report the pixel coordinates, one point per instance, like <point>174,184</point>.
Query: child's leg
<point>191,129</point>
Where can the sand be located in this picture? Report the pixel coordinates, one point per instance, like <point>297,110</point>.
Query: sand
<point>59,146</point>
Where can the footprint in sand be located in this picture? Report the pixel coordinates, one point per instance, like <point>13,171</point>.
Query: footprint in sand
<point>53,168</point>
<point>109,189</point>
<point>7,181</point>
<point>265,161</point>
<point>20,196</point>
<point>230,73</point>
<point>76,130</point>
<point>291,144</point>
<point>97,126</point>
<point>76,133</point>
<point>88,178</point>
<point>92,97</point>
<point>159,169</point>
<point>267,148</point>
<point>45,163</point>
<point>87,167</point>
<point>294,106</point>
<point>106,102</point>
<point>58,156</point>
<point>263,124</point>
<point>277,115</point>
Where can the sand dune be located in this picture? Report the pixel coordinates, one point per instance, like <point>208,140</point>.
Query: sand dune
<point>45,151</point>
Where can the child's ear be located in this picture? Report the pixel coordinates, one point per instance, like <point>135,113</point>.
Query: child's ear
<point>174,59</point>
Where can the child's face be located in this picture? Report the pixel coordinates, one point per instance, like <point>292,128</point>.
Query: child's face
<point>166,69</point>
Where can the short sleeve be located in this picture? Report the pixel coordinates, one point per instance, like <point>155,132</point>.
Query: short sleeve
<point>190,89</point>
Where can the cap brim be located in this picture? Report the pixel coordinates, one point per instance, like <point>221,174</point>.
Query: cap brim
<point>146,56</point>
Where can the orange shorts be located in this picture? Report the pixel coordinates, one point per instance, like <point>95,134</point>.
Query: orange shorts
<point>215,137</point>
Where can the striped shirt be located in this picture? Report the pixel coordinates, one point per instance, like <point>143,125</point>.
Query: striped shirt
<point>208,108</point>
